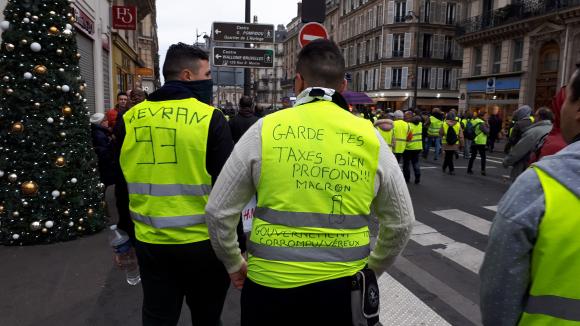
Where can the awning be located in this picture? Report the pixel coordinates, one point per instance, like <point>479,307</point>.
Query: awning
<point>438,101</point>
<point>357,98</point>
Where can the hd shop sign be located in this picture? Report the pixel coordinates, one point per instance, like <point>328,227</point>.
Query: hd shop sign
<point>125,17</point>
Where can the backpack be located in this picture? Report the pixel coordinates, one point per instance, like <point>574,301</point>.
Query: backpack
<point>469,131</point>
<point>451,137</point>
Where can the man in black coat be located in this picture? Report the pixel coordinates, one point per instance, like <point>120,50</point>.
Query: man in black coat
<point>244,119</point>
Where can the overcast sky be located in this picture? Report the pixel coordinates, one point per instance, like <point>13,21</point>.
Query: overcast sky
<point>178,20</point>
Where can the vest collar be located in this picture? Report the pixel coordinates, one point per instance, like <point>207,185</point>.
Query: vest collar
<point>314,94</point>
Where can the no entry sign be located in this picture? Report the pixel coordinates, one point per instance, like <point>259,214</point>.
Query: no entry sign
<point>311,32</point>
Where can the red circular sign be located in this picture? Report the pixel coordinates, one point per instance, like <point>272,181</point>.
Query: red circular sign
<point>311,32</point>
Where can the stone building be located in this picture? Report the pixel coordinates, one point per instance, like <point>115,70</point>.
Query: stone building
<point>517,52</point>
<point>267,81</point>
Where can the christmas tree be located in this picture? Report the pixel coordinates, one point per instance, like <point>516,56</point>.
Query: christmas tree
<point>49,185</point>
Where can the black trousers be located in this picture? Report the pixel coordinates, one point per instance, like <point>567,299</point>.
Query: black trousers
<point>322,303</point>
<point>399,157</point>
<point>171,272</point>
<point>411,157</point>
<point>474,149</point>
<point>448,162</point>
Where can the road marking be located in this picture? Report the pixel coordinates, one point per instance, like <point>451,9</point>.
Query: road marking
<point>472,222</point>
<point>399,306</point>
<point>491,208</point>
<point>458,252</point>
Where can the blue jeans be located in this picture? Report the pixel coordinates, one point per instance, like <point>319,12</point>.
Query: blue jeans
<point>466,148</point>
<point>432,141</point>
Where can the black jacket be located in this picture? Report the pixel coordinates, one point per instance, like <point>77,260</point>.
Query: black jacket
<point>104,150</point>
<point>241,123</point>
<point>219,147</point>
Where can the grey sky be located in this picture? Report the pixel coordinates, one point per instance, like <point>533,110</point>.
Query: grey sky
<point>178,20</point>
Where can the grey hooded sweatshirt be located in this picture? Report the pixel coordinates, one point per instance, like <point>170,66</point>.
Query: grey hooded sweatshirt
<point>505,273</point>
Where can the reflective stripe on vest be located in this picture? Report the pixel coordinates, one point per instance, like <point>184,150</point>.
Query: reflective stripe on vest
<point>168,190</point>
<point>434,126</point>
<point>317,220</point>
<point>446,128</point>
<point>316,186</point>
<point>334,255</point>
<point>417,142</point>
<point>163,160</point>
<point>554,292</point>
<point>400,132</point>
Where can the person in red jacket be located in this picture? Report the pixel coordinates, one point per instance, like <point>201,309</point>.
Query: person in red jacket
<point>122,106</point>
<point>554,142</point>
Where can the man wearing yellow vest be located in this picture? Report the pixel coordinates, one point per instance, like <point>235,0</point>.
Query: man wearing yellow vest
<point>174,146</point>
<point>401,134</point>
<point>414,147</point>
<point>385,128</point>
<point>530,275</point>
<point>435,123</point>
<point>317,179</point>
<point>480,142</point>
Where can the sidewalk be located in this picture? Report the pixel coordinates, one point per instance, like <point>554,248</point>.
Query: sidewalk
<point>75,283</point>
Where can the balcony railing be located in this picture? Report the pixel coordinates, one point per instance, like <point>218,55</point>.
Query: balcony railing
<point>513,13</point>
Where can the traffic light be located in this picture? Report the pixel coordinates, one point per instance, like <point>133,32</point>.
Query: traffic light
<point>313,11</point>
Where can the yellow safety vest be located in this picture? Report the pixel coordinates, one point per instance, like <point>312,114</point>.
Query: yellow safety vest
<point>315,192</point>
<point>480,136</point>
<point>163,159</point>
<point>434,127</point>
<point>456,127</point>
<point>400,132</point>
<point>387,136</point>
<point>554,295</point>
<point>417,142</point>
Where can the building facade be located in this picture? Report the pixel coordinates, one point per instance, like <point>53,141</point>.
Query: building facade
<point>517,52</point>
<point>267,82</point>
<point>291,48</point>
<point>391,46</point>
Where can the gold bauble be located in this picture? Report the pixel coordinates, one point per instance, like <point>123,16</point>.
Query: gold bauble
<point>44,230</point>
<point>67,111</point>
<point>53,30</point>
<point>9,91</point>
<point>9,47</point>
<point>78,55</point>
<point>40,69</point>
<point>60,161</point>
<point>1,209</point>
<point>17,127</point>
<point>24,41</point>
<point>59,51</point>
<point>90,212</point>
<point>82,88</point>
<point>29,188</point>
<point>72,19</point>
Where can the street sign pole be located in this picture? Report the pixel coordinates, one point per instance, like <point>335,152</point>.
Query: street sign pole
<point>247,79</point>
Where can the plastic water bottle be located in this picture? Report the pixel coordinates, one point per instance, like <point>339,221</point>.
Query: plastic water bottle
<point>125,254</point>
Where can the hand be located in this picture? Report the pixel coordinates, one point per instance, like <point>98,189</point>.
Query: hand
<point>239,277</point>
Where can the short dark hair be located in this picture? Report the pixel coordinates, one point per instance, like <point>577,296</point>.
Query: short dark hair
<point>182,56</point>
<point>545,113</point>
<point>121,94</point>
<point>246,102</point>
<point>321,63</point>
<point>574,86</point>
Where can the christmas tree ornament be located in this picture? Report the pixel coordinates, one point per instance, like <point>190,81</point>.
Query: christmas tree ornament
<point>1,209</point>
<point>40,69</point>
<point>68,27</point>
<point>73,180</point>
<point>67,32</point>
<point>37,105</point>
<point>35,226</point>
<point>61,69</point>
<point>23,41</point>
<point>27,75</point>
<point>67,110</point>
<point>58,87</point>
<point>26,20</point>
<point>82,88</point>
<point>35,18</point>
<point>52,12</point>
<point>78,55</point>
<point>49,224</point>
<point>1,173</point>
<point>9,91</point>
<point>35,47</point>
<point>81,220</point>
<point>63,134</point>
<point>27,14</point>
<point>53,30</point>
<point>4,25</point>
<point>44,230</point>
<point>15,214</point>
<point>50,120</point>
<point>80,228</point>
<point>15,236</point>
<point>65,88</point>
<point>55,194</point>
<point>29,188</point>
<point>90,212</point>
<point>10,47</point>
<point>59,51</point>
<point>12,177</point>
<point>66,213</point>
<point>60,161</point>
<point>17,127</point>
<point>6,79</point>
<point>25,203</point>
<point>71,223</point>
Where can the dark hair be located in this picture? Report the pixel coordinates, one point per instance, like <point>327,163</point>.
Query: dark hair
<point>246,102</point>
<point>545,113</point>
<point>121,94</point>
<point>321,63</point>
<point>182,56</point>
<point>574,86</point>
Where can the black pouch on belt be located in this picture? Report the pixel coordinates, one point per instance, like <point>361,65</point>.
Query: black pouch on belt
<point>364,297</point>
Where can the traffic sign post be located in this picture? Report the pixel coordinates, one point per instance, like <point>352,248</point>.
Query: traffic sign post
<point>243,57</point>
<point>311,32</point>
<point>242,32</point>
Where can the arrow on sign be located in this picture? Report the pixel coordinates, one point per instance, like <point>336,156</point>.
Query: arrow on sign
<point>217,56</point>
<point>217,31</point>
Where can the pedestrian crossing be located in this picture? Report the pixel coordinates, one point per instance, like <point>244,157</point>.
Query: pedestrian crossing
<point>434,282</point>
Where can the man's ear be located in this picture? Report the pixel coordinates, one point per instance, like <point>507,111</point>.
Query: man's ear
<point>185,75</point>
<point>299,84</point>
<point>343,86</point>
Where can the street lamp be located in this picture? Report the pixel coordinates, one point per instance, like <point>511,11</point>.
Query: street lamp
<point>409,18</point>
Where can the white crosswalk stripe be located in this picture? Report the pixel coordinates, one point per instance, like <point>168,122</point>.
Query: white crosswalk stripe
<point>473,222</point>
<point>491,208</point>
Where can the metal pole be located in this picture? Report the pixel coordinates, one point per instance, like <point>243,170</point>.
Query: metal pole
<point>247,70</point>
<point>417,79</point>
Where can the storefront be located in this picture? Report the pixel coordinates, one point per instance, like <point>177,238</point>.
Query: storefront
<point>496,95</point>
<point>124,64</point>
<point>85,27</point>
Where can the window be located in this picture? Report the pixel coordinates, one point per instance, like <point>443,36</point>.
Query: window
<point>398,45</point>
<point>450,14</point>
<point>380,15</point>
<point>427,12</point>
<point>518,54</point>
<point>448,46</point>
<point>366,78</point>
<point>377,47</point>
<point>396,77</point>
<point>367,50</point>
<point>446,78</point>
<point>358,53</point>
<point>427,45</point>
<point>400,11</point>
<point>477,61</point>
<point>496,65</point>
<point>426,78</point>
